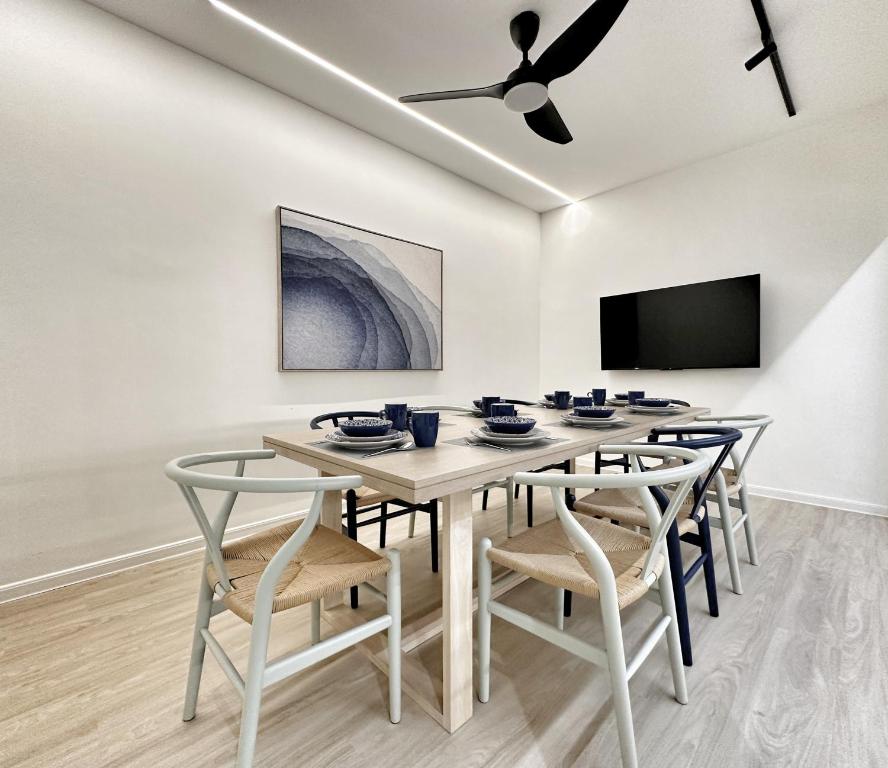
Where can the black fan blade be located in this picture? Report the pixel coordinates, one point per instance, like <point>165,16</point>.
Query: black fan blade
<point>491,91</point>
<point>546,122</point>
<point>582,37</point>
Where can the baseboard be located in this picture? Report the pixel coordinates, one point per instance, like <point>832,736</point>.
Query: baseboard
<point>831,502</point>
<point>37,584</point>
<point>845,505</point>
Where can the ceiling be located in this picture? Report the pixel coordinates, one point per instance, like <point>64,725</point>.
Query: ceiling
<point>665,88</point>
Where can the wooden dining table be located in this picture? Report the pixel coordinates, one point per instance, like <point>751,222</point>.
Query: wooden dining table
<point>450,471</point>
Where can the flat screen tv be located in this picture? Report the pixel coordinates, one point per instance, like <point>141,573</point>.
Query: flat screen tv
<point>702,325</point>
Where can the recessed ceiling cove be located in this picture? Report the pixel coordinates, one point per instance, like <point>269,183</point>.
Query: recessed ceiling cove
<point>664,88</point>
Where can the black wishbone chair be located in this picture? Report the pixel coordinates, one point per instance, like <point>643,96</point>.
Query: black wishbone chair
<point>625,508</point>
<point>364,500</point>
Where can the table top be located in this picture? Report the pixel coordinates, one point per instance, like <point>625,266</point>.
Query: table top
<point>427,473</point>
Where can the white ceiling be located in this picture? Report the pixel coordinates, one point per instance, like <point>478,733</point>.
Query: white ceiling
<point>665,88</point>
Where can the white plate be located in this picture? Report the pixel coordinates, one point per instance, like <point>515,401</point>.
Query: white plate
<point>618,403</point>
<point>614,417</point>
<point>592,419</point>
<point>338,435</point>
<point>495,439</point>
<point>594,423</point>
<point>363,446</point>
<point>535,432</point>
<point>645,409</point>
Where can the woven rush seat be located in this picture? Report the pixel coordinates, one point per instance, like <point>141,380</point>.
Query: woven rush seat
<point>367,497</point>
<point>546,553</point>
<point>329,562</point>
<point>624,506</point>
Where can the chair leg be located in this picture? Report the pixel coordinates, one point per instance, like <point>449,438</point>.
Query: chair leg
<point>510,507</point>
<point>597,463</point>
<point>727,526</point>
<point>747,527</point>
<point>484,585</point>
<point>351,517</point>
<point>517,490</point>
<point>412,528</point>
<point>393,606</point>
<point>673,642</point>
<point>709,566</point>
<point>484,500</point>
<point>530,506</point>
<point>253,690</point>
<point>676,574</point>
<point>315,622</point>
<point>568,603</point>
<point>616,662</point>
<point>198,646</point>
<point>382,522</point>
<point>433,523</point>
<point>559,608</point>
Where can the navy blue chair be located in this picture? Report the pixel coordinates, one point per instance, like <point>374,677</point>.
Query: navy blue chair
<point>623,461</point>
<point>691,526</point>
<point>364,500</point>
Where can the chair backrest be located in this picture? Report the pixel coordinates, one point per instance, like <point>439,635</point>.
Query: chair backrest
<point>658,523</point>
<point>181,472</point>
<point>334,417</point>
<point>758,422</point>
<point>698,438</point>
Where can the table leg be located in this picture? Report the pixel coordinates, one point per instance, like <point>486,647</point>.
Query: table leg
<point>457,611</point>
<point>331,516</point>
<point>571,495</point>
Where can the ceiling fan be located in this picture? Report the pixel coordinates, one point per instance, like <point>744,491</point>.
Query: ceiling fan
<point>526,89</point>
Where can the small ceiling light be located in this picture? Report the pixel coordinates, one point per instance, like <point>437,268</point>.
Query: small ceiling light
<point>384,97</point>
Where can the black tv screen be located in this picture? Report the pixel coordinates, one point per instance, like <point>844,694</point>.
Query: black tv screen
<point>702,325</point>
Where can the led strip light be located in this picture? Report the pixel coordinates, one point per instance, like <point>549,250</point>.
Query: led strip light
<point>385,98</point>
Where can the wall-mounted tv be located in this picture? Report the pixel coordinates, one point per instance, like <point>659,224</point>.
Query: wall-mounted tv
<point>702,325</point>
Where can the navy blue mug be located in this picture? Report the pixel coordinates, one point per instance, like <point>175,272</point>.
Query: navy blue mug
<point>396,413</point>
<point>486,402</point>
<point>583,401</point>
<point>599,396</point>
<point>561,399</point>
<point>502,409</point>
<point>634,394</point>
<point>424,426</point>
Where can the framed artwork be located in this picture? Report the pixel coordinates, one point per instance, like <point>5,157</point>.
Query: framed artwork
<point>351,299</point>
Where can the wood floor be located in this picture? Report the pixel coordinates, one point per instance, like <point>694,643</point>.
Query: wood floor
<point>793,673</point>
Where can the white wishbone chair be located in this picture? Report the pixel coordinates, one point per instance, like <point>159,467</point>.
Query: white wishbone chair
<point>599,560</point>
<point>292,564</point>
<point>731,491</point>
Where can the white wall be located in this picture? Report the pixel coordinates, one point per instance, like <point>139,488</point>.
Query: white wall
<point>809,210</point>
<point>138,185</point>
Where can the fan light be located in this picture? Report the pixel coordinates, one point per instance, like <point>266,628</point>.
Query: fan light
<point>384,97</point>
<point>526,97</point>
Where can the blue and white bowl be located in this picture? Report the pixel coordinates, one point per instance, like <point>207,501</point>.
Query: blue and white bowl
<point>593,411</point>
<point>653,402</point>
<point>510,425</point>
<point>365,427</point>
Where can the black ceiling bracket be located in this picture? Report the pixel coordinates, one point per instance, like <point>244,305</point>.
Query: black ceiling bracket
<point>769,51</point>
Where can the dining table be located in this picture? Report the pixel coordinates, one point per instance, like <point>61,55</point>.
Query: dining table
<point>450,471</point>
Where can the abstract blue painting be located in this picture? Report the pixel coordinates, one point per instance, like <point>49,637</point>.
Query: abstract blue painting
<point>352,299</point>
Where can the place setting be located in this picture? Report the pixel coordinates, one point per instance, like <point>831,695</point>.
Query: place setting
<point>593,417</point>
<point>505,432</point>
<point>389,432</point>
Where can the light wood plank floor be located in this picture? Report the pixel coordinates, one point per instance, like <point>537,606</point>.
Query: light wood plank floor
<point>793,673</point>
